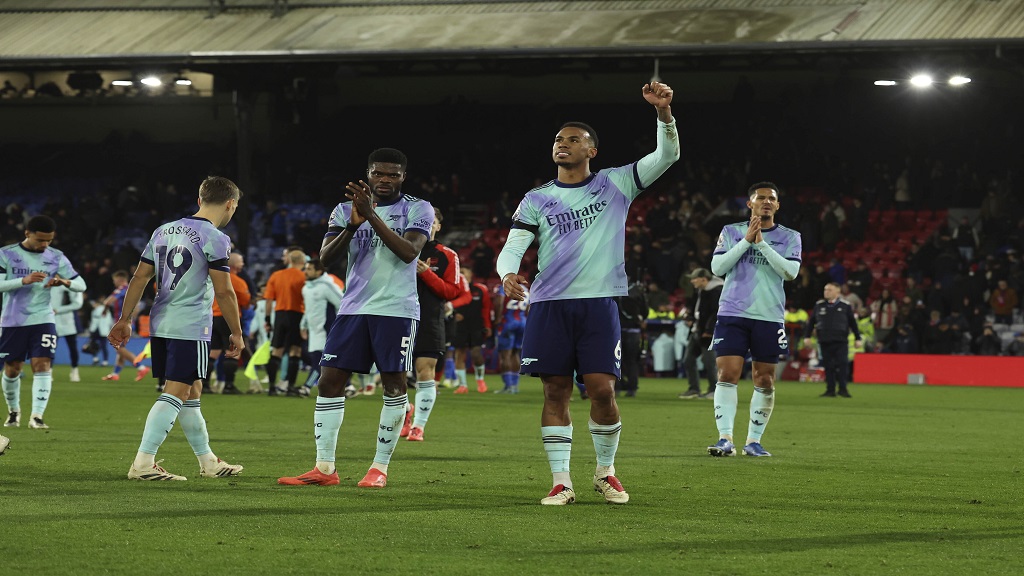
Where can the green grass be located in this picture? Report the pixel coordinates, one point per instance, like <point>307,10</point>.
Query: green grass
<point>897,480</point>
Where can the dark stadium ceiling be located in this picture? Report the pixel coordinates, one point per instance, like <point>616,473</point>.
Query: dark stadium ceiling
<point>517,38</point>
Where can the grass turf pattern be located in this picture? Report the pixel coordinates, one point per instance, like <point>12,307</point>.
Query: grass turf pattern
<point>897,480</point>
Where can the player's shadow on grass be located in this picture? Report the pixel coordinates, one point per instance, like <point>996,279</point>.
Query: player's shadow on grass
<point>837,540</point>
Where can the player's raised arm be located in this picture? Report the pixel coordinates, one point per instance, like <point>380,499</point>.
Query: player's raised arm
<point>660,95</point>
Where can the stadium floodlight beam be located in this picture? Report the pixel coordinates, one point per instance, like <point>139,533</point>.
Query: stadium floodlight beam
<point>959,80</point>
<point>921,80</point>
<point>885,82</point>
<point>122,83</point>
<point>151,81</point>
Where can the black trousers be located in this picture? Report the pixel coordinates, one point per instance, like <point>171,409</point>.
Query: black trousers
<point>697,349</point>
<point>835,361</point>
<point>630,378</point>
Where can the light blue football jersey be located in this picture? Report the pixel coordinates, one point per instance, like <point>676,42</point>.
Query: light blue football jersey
<point>378,282</point>
<point>183,252</point>
<point>30,304</point>
<point>582,233</point>
<point>752,288</point>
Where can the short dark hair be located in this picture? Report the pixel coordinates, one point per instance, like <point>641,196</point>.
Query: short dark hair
<point>755,187</point>
<point>218,190</point>
<point>120,274</point>
<point>315,263</point>
<point>583,126</point>
<point>437,215</point>
<point>41,223</point>
<point>388,156</point>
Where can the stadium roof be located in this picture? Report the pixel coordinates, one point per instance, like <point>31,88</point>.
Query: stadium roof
<point>92,32</point>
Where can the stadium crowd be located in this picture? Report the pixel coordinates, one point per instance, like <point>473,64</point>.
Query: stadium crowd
<point>926,238</point>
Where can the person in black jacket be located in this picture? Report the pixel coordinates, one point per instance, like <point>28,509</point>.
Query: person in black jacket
<point>832,319</point>
<point>632,319</point>
<point>708,289</point>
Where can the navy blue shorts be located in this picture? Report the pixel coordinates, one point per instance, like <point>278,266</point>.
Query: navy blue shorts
<point>182,361</point>
<point>356,342</point>
<point>511,337</point>
<point>20,343</point>
<point>764,341</point>
<point>563,336</point>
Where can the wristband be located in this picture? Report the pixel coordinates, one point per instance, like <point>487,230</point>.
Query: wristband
<point>266,319</point>
<point>352,227</point>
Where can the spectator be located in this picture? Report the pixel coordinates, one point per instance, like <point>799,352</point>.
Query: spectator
<point>860,281</point>
<point>8,91</point>
<point>855,301</point>
<point>275,219</point>
<point>940,339</point>
<point>483,261</point>
<point>917,262</point>
<point>857,224</point>
<point>868,340</point>
<point>307,237</point>
<point>1016,347</point>
<point>1003,301</point>
<point>636,262</point>
<point>795,322</point>
<point>905,341</point>
<point>965,238</point>
<point>975,315</point>
<point>883,312</point>
<point>960,331</point>
<point>988,344</point>
<point>912,290</point>
<point>946,265</point>
<point>657,299</point>
<point>902,197</point>
<point>829,229</point>
<point>935,299</point>
<point>801,294</point>
<point>837,272</point>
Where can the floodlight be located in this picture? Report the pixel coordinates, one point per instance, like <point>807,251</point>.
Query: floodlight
<point>183,82</point>
<point>885,82</point>
<point>151,81</point>
<point>122,83</point>
<point>921,80</point>
<point>959,80</point>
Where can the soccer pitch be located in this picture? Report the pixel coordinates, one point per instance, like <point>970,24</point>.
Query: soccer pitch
<point>897,480</point>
